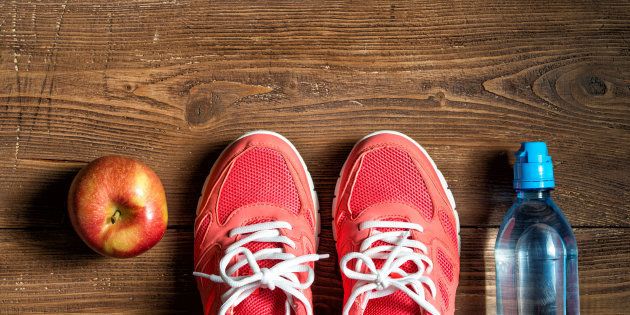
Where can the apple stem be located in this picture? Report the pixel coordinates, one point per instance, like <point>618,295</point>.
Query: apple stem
<point>115,217</point>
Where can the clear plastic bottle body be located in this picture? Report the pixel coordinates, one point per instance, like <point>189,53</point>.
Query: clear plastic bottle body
<point>536,258</point>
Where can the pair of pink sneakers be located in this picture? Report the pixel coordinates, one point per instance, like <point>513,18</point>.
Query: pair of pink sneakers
<point>394,220</point>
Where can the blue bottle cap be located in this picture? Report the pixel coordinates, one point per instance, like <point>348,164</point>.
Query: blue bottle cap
<point>533,168</point>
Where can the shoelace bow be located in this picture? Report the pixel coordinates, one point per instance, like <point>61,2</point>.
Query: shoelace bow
<point>282,275</point>
<point>376,283</point>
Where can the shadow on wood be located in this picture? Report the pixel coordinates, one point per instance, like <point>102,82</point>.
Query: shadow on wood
<point>497,195</point>
<point>190,301</point>
<point>50,201</point>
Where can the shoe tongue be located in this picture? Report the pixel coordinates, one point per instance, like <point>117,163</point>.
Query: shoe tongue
<point>408,266</point>
<point>257,246</point>
<point>399,302</point>
<point>262,301</point>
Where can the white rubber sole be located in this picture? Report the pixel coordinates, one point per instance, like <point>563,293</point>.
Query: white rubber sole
<point>449,194</point>
<point>311,185</point>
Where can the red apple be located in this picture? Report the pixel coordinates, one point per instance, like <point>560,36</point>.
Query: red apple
<point>117,205</point>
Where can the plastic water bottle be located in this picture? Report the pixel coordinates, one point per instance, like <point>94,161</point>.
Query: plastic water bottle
<point>536,253</point>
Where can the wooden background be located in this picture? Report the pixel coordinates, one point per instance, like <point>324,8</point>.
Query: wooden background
<point>171,82</point>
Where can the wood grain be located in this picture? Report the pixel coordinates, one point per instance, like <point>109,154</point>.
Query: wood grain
<point>171,82</point>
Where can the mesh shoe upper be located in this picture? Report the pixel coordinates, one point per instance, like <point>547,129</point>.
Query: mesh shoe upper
<point>258,178</point>
<point>389,174</point>
<point>385,173</point>
<point>259,175</point>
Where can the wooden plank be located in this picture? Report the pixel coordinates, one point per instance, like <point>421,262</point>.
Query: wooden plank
<point>377,34</point>
<point>52,271</point>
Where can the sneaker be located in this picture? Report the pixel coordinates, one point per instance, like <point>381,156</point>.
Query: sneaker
<point>396,230</point>
<point>256,230</point>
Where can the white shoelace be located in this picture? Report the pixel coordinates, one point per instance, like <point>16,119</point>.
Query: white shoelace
<point>282,275</point>
<point>376,283</point>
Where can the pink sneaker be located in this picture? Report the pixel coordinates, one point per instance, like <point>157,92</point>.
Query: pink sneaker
<point>256,230</point>
<point>396,229</point>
